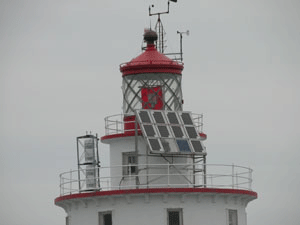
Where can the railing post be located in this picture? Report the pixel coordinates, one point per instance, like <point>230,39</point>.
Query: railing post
<point>117,128</point>
<point>71,181</point>
<point>250,178</point>
<point>168,174</point>
<point>232,175</point>
<point>194,174</point>
<point>201,123</point>
<point>105,119</point>
<point>60,185</point>
<point>204,171</point>
<point>237,181</point>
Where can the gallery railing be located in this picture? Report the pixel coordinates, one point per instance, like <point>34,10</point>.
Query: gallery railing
<point>156,176</point>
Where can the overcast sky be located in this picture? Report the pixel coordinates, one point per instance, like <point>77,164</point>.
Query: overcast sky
<point>59,77</point>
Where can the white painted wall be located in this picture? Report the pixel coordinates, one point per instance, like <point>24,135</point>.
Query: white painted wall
<point>198,208</point>
<point>127,144</point>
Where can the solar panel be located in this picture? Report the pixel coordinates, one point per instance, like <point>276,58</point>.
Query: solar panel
<point>144,117</point>
<point>169,132</point>
<point>149,130</point>
<point>186,118</point>
<point>163,130</point>
<point>191,132</point>
<point>197,145</point>
<point>172,118</point>
<point>177,131</point>
<point>154,143</point>
<point>158,117</point>
<point>183,146</point>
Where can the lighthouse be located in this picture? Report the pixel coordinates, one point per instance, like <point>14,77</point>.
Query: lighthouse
<point>158,171</point>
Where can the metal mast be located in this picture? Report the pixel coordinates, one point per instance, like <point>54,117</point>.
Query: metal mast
<point>160,43</point>
<point>161,34</point>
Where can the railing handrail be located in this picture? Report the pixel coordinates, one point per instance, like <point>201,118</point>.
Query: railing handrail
<point>114,124</point>
<point>235,177</point>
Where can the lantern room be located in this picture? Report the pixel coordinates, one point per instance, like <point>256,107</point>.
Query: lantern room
<point>151,80</point>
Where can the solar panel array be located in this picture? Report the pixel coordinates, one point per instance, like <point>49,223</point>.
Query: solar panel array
<point>170,131</point>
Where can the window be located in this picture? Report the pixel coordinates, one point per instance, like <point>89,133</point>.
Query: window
<point>152,98</point>
<point>105,218</point>
<point>232,217</point>
<point>67,220</point>
<point>175,217</point>
<point>129,163</point>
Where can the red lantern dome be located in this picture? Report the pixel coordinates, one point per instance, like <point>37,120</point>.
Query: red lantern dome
<point>151,61</point>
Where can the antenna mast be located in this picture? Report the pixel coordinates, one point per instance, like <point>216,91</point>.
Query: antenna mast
<point>160,43</point>
<point>159,29</point>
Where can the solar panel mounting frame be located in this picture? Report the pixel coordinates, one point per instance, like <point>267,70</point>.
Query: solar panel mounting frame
<point>171,139</point>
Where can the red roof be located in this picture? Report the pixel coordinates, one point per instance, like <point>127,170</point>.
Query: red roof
<point>151,61</point>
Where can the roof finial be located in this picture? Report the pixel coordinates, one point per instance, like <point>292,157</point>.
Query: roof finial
<point>150,36</point>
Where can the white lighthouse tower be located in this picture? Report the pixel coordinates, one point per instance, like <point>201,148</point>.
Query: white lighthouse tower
<point>158,172</point>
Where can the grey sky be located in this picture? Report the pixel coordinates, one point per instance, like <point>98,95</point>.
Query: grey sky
<point>59,76</point>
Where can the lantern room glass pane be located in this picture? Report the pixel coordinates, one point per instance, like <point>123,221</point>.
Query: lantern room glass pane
<point>158,91</point>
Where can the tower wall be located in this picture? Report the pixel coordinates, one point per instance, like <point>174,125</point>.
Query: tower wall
<point>155,166</point>
<point>146,208</point>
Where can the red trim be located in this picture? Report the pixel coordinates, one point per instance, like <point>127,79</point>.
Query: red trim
<point>129,124</point>
<point>156,190</point>
<point>131,70</point>
<point>127,134</point>
<point>203,135</point>
<point>129,118</point>
<point>151,61</point>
